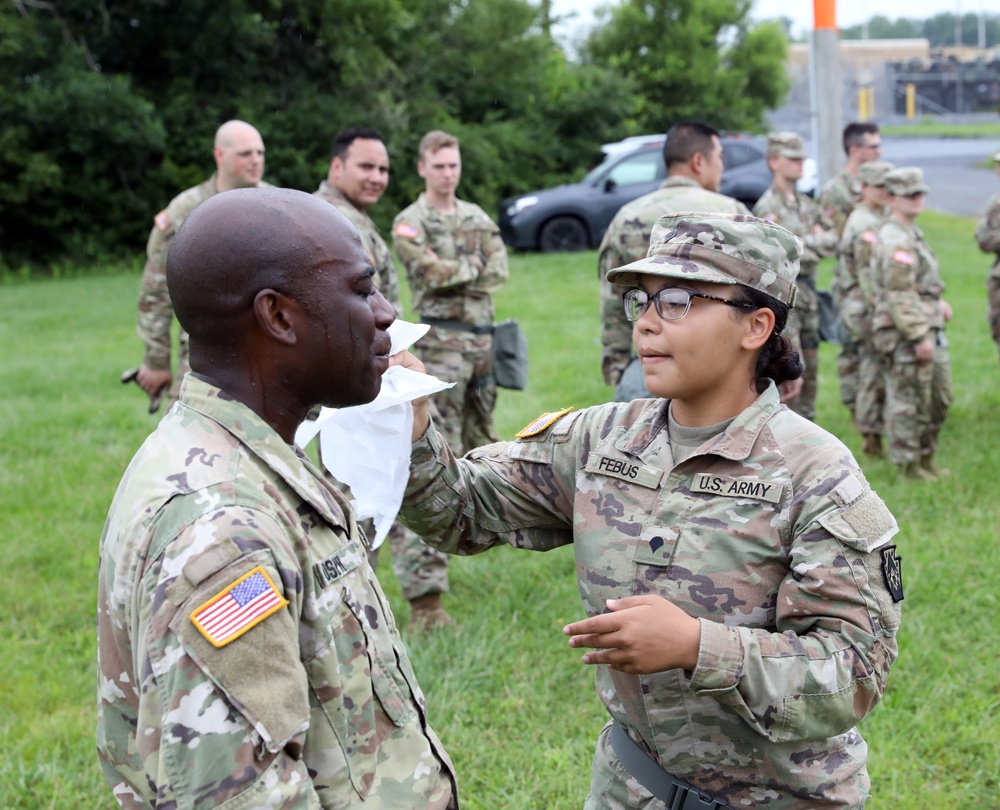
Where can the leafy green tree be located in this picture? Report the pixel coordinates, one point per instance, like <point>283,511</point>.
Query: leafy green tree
<point>694,59</point>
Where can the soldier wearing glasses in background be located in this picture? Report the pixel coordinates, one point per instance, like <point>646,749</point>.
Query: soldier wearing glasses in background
<point>909,327</point>
<point>862,143</point>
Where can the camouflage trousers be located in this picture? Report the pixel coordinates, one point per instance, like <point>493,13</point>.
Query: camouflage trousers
<point>464,412</point>
<point>804,321</point>
<point>419,568</point>
<point>854,323</point>
<point>869,406</point>
<point>993,307</point>
<point>917,400</point>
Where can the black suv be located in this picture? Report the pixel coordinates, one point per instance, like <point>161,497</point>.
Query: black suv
<point>575,216</point>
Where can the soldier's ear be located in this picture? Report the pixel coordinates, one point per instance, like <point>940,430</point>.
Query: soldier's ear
<point>278,315</point>
<point>758,326</point>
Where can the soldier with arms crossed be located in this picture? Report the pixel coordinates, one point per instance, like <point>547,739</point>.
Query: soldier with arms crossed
<point>246,654</point>
<point>239,163</point>
<point>736,567</point>
<point>357,179</point>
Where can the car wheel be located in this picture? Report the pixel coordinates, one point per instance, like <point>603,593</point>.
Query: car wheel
<point>563,233</point>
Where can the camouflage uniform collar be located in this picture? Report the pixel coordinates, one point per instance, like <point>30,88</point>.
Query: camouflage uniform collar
<point>334,195</point>
<point>680,180</point>
<point>430,212</point>
<point>260,439</point>
<point>208,186</point>
<point>736,442</point>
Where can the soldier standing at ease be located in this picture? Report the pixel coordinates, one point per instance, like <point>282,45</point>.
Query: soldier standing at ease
<point>988,239</point>
<point>862,143</point>
<point>239,163</point>
<point>736,568</point>
<point>784,204</point>
<point>694,158</point>
<point>357,179</point>
<point>246,654</point>
<point>909,327</point>
<point>859,295</point>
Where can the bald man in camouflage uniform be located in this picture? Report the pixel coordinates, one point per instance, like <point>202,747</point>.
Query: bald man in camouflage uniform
<point>246,654</point>
<point>988,239</point>
<point>785,205</point>
<point>239,161</point>
<point>859,294</point>
<point>695,162</point>
<point>357,178</point>
<point>790,657</point>
<point>909,327</point>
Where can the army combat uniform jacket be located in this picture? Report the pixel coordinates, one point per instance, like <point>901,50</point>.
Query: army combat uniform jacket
<point>839,197</point>
<point>386,278</point>
<point>988,239</point>
<point>857,285</point>
<point>909,309</point>
<point>471,261</point>
<point>627,240</point>
<point>156,313</point>
<point>247,656</point>
<point>769,535</point>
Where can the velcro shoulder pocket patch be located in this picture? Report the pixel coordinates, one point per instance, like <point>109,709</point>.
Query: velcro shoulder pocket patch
<point>259,670</point>
<point>865,525</point>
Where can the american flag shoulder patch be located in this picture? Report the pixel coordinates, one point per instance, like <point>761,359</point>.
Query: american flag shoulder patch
<point>162,220</point>
<point>541,423</point>
<point>902,257</point>
<point>869,236</point>
<point>238,607</point>
<point>407,230</point>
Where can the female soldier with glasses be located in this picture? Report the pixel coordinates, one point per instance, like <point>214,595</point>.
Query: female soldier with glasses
<point>736,567</point>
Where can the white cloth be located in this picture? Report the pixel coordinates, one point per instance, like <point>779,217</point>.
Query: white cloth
<point>367,446</point>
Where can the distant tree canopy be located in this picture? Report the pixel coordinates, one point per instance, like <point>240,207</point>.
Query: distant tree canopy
<point>939,30</point>
<point>107,110</point>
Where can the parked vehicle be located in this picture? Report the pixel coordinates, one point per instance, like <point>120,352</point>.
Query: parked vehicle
<point>575,216</point>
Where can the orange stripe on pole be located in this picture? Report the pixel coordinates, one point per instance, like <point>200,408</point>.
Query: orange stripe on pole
<point>825,15</point>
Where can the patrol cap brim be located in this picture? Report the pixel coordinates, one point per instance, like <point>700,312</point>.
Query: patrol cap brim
<point>719,249</point>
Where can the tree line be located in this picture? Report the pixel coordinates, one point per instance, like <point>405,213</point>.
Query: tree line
<point>107,110</point>
<point>939,30</point>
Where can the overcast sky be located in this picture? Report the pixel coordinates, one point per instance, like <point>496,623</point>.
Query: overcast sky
<point>849,12</point>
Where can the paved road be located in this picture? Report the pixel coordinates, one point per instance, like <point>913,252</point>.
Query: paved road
<point>957,187</point>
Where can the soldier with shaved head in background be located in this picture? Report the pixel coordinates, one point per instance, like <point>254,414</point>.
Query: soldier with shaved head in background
<point>239,163</point>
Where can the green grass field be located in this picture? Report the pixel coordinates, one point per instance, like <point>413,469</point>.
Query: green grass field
<point>509,698</point>
<point>943,128</point>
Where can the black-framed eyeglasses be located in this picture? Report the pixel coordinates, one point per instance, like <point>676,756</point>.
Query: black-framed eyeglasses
<point>672,304</point>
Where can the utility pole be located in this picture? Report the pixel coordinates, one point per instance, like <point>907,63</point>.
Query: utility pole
<point>825,89</point>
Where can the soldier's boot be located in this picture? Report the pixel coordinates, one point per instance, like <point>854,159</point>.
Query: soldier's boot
<point>873,445</point>
<point>912,471</point>
<point>927,463</point>
<point>428,614</point>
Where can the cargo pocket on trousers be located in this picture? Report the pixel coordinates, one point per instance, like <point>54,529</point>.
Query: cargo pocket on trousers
<point>355,692</point>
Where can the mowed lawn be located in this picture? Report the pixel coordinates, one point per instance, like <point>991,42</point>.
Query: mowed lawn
<point>509,698</point>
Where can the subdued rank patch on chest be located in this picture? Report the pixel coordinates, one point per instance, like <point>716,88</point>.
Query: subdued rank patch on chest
<point>892,571</point>
<point>648,477</point>
<point>341,562</point>
<point>738,487</point>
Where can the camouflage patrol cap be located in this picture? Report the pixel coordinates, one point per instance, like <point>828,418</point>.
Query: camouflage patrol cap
<point>873,172</point>
<point>785,144</point>
<point>905,181</point>
<point>721,249</point>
